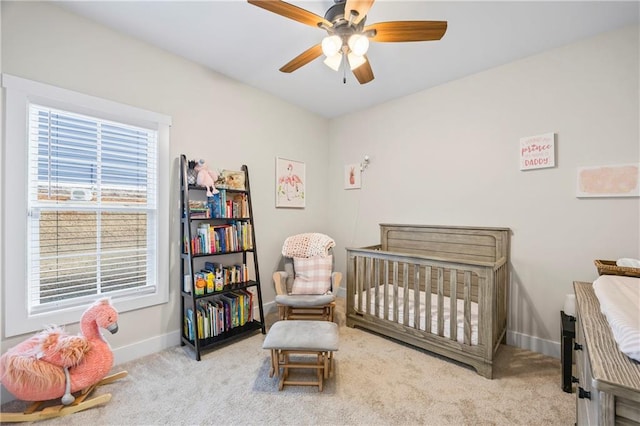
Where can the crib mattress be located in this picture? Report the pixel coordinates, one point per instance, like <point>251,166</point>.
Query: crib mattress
<point>619,298</point>
<point>433,311</point>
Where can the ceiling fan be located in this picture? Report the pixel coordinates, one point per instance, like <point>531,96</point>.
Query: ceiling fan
<point>348,36</point>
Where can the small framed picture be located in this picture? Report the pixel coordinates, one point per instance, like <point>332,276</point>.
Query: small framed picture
<point>290,183</point>
<point>352,176</point>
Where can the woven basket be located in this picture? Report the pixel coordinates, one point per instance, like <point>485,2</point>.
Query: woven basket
<point>609,267</point>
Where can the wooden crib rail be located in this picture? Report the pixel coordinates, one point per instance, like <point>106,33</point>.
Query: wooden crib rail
<point>383,273</point>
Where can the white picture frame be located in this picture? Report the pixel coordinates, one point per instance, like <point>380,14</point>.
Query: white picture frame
<point>621,180</point>
<point>290,183</point>
<point>538,152</point>
<point>352,176</point>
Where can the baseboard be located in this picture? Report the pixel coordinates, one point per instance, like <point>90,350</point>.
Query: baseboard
<point>266,308</point>
<point>534,344</point>
<point>145,347</point>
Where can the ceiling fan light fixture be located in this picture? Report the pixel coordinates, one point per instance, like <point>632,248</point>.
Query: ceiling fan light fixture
<point>331,45</point>
<point>334,61</point>
<point>359,44</point>
<point>355,60</point>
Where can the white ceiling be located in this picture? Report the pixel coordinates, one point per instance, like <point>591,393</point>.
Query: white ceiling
<point>250,44</point>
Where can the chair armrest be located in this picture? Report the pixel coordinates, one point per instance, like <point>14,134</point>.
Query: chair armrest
<point>336,278</point>
<point>280,282</point>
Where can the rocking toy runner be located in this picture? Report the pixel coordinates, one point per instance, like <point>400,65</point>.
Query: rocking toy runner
<point>53,364</point>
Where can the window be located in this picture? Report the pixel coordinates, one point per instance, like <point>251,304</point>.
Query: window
<point>95,212</point>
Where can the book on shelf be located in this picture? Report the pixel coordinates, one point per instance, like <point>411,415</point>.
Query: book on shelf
<point>188,325</point>
<point>231,274</point>
<point>219,314</point>
<point>222,238</point>
<point>199,209</point>
<point>224,205</point>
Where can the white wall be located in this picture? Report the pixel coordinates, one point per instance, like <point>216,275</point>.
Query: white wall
<point>214,117</point>
<point>449,156</point>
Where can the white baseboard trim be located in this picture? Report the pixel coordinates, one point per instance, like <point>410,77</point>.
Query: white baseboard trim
<point>145,347</point>
<point>534,344</point>
<point>266,308</point>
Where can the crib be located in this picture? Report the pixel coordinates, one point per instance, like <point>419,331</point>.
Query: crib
<point>439,288</point>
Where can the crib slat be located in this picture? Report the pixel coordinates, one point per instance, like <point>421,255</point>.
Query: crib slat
<point>376,283</point>
<point>405,293</point>
<point>416,297</point>
<point>386,289</point>
<point>358,281</point>
<point>427,298</point>
<point>467,307</point>
<point>395,292</point>
<point>367,283</point>
<point>440,301</point>
<point>453,305</point>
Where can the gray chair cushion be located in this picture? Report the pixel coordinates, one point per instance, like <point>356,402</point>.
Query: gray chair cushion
<point>305,300</point>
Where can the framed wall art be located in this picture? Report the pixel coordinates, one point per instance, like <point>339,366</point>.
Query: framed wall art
<point>609,181</point>
<point>290,183</point>
<point>352,176</point>
<point>538,152</point>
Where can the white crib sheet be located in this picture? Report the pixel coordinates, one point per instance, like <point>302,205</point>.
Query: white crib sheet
<point>619,299</point>
<point>434,312</point>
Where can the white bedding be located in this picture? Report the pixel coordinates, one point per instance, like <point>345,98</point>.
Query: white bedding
<point>434,312</point>
<point>619,299</point>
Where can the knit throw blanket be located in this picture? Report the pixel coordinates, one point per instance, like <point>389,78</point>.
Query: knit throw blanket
<point>307,245</point>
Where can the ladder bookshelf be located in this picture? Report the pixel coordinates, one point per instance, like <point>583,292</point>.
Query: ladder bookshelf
<point>219,265</point>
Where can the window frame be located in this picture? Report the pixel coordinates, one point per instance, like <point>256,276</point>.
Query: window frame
<point>19,93</point>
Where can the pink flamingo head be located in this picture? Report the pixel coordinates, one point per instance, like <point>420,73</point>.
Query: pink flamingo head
<point>99,315</point>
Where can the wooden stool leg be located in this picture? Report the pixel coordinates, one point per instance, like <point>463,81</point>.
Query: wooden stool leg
<point>326,364</point>
<point>285,372</point>
<point>319,371</point>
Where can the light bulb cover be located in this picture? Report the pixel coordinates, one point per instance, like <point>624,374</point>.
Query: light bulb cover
<point>355,60</point>
<point>334,61</point>
<point>331,45</point>
<point>359,44</point>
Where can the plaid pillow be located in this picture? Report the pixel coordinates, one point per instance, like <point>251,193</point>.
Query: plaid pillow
<point>312,275</point>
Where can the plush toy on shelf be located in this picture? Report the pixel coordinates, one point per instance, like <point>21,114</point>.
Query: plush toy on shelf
<point>53,364</point>
<point>206,177</point>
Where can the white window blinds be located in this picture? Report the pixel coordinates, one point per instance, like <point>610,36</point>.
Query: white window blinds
<point>92,207</point>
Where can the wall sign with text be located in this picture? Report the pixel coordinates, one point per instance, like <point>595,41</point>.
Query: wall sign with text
<point>538,152</point>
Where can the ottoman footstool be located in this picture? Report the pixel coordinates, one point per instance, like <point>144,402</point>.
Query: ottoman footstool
<point>319,339</point>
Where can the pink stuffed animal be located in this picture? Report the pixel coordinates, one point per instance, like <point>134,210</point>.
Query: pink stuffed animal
<point>53,364</point>
<point>206,178</point>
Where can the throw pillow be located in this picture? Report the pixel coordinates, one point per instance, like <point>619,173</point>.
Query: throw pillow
<point>312,275</point>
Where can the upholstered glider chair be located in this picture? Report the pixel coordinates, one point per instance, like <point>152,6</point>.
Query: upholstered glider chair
<point>307,287</point>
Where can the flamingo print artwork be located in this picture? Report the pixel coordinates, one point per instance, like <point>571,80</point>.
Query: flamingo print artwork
<point>291,188</point>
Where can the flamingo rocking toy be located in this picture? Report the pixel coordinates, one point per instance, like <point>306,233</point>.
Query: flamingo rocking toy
<point>53,364</point>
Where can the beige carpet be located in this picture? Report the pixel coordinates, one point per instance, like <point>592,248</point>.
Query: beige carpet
<point>377,381</point>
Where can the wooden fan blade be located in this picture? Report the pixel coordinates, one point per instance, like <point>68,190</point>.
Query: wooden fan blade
<point>364,73</point>
<point>360,6</point>
<point>398,31</point>
<point>292,12</point>
<point>303,59</point>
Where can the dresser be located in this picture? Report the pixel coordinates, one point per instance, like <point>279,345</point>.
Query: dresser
<point>608,388</point>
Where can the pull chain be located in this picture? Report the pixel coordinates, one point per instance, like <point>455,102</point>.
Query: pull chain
<point>344,69</point>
